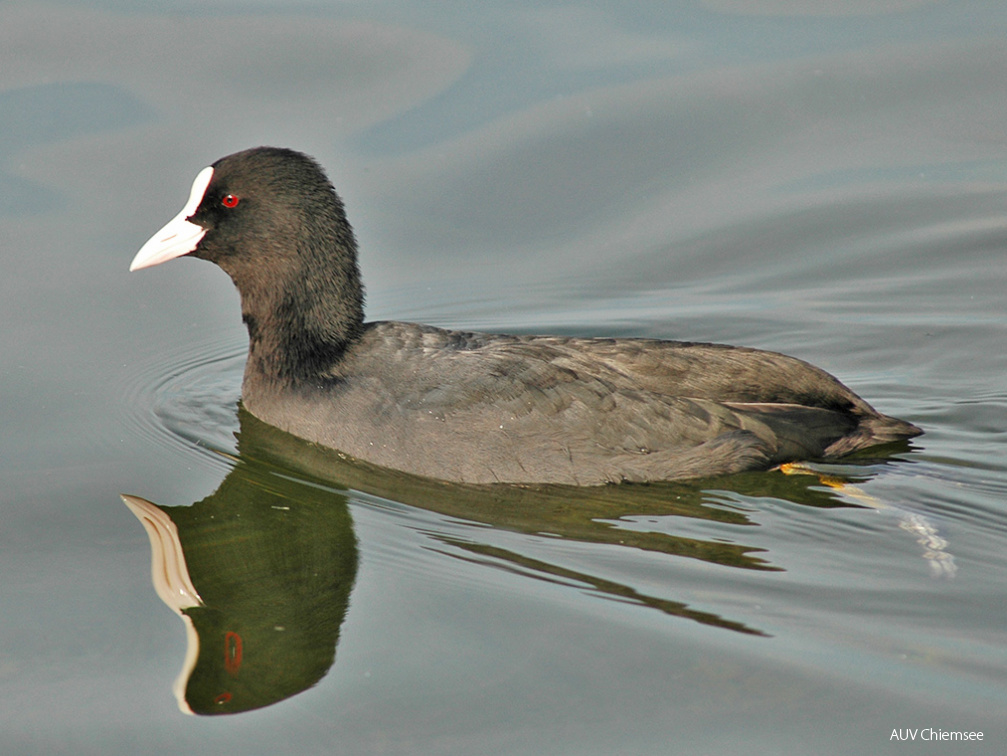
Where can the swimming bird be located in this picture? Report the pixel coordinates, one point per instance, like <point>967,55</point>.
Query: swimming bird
<point>476,407</point>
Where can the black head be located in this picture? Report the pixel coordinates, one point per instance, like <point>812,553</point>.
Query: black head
<point>269,207</point>
<point>271,219</point>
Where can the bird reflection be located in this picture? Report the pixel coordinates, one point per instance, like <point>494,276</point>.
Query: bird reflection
<point>261,573</point>
<point>261,570</point>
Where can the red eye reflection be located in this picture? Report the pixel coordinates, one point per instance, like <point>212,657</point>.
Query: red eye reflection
<point>229,200</point>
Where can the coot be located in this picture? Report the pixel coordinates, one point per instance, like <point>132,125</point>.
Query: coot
<point>476,407</point>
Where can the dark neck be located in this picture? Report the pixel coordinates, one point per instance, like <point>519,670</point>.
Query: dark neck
<point>299,331</point>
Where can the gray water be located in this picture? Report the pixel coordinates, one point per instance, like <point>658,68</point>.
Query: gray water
<point>830,184</point>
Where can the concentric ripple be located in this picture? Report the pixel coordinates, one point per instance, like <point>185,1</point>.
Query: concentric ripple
<point>186,398</point>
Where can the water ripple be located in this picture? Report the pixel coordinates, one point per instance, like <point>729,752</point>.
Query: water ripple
<point>186,397</point>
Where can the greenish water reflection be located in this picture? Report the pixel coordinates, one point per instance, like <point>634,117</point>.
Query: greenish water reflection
<point>261,571</point>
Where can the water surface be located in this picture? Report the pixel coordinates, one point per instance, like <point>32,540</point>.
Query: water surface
<point>826,184</point>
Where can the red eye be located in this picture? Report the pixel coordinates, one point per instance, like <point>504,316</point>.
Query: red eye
<point>229,200</point>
